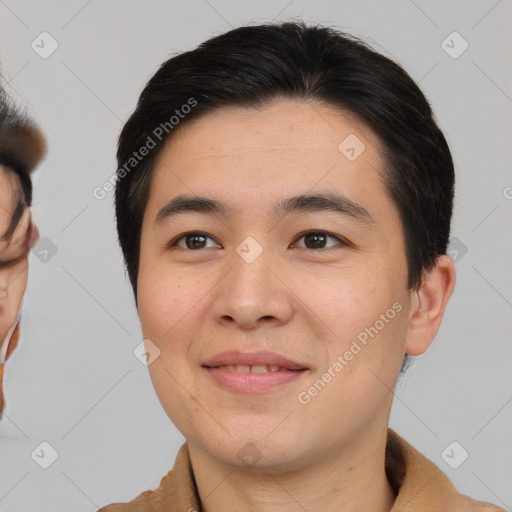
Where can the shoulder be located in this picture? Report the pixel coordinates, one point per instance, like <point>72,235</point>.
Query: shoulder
<point>176,492</point>
<point>479,506</point>
<point>471,505</point>
<point>148,501</point>
<point>421,486</point>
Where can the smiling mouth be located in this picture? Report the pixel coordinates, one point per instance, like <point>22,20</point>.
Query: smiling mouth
<point>255,369</point>
<point>258,379</point>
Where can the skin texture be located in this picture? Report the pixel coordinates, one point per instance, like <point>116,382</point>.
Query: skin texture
<point>303,302</point>
<point>14,254</point>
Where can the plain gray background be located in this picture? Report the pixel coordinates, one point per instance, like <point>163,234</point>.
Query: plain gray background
<point>74,381</point>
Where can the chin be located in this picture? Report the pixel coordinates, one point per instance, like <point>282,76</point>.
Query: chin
<point>251,450</point>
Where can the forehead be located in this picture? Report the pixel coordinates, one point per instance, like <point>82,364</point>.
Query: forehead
<point>256,155</point>
<point>286,123</point>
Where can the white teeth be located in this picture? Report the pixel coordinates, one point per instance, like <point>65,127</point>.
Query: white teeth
<point>259,369</point>
<point>253,369</point>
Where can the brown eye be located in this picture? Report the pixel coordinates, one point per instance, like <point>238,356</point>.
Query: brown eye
<point>192,241</point>
<point>319,239</point>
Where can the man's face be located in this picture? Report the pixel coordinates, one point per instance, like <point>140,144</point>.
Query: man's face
<point>262,280</point>
<point>14,252</point>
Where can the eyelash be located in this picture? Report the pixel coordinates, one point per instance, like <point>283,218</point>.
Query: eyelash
<point>342,241</point>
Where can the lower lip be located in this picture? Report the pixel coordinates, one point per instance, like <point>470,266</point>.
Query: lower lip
<point>248,382</point>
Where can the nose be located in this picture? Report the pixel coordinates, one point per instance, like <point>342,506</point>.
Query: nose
<point>253,294</point>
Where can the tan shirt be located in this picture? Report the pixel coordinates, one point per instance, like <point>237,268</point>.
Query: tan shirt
<point>419,484</point>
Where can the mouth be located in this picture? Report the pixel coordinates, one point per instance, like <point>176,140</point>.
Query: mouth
<point>253,362</point>
<point>255,379</point>
<point>259,368</point>
<point>255,372</point>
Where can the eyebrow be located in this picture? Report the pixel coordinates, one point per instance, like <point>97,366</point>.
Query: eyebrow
<point>304,203</point>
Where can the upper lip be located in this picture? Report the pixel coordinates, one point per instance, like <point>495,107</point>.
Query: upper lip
<point>264,357</point>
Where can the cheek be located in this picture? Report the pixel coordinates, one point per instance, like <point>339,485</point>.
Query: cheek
<point>373,350</point>
<point>363,319</point>
<point>346,299</point>
<point>162,301</point>
<point>169,304</point>
<point>165,307</point>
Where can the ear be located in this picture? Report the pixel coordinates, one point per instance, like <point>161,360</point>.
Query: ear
<point>428,304</point>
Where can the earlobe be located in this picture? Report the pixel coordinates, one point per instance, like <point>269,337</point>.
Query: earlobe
<point>428,305</point>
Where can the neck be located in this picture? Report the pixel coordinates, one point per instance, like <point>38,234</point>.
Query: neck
<point>348,478</point>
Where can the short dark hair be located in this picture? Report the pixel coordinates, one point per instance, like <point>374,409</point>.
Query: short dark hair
<point>252,65</point>
<point>22,145</point>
